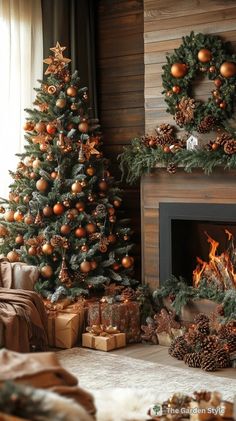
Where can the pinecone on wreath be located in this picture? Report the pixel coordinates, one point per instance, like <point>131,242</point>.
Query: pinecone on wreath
<point>206,124</point>
<point>185,113</point>
<point>222,358</point>
<point>193,359</point>
<point>208,362</point>
<point>230,147</point>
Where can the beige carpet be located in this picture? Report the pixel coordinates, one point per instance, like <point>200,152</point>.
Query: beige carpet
<point>121,383</point>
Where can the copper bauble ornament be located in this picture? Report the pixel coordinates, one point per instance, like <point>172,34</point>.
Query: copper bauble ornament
<point>103,185</point>
<point>54,175</point>
<point>9,215</point>
<point>46,271</point>
<point>84,248</point>
<point>90,171</point>
<point>218,82</point>
<point>178,70</point>
<point>112,219</point>
<point>91,228</point>
<point>83,127</point>
<point>18,216</point>
<point>51,128</point>
<point>204,55</point>
<point>66,203</point>
<point>58,208</point>
<point>166,149</point>
<point>223,105</point>
<point>228,69</point>
<point>85,266</point>
<point>176,89</point>
<point>19,239</point>
<point>72,214</point>
<point>65,229</point>
<point>117,203</point>
<point>76,187</point>
<point>3,231</point>
<point>80,232</point>
<point>32,175</point>
<point>212,69</point>
<point>42,185</point>
<point>47,211</point>
<point>112,238</point>
<point>28,219</point>
<point>61,102</point>
<point>111,211</point>
<point>47,248</point>
<point>215,146</point>
<point>115,266</point>
<point>13,256</point>
<point>127,262</point>
<point>36,164</point>
<point>43,147</point>
<point>32,251</point>
<point>80,206</point>
<point>83,183</point>
<point>93,264</point>
<point>40,127</point>
<point>71,91</point>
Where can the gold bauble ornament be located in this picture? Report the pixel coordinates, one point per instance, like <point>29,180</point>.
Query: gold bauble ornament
<point>47,211</point>
<point>28,219</point>
<point>90,171</point>
<point>176,89</point>
<point>212,69</point>
<point>178,70</point>
<point>13,256</point>
<point>61,102</point>
<point>223,105</point>
<point>91,228</point>
<point>42,185</point>
<point>36,164</point>
<point>18,216</point>
<point>80,232</point>
<point>218,82</point>
<point>85,266</point>
<point>9,215</point>
<point>47,248</point>
<point>204,55</point>
<point>127,262</point>
<point>46,271</point>
<point>166,149</point>
<point>54,175</point>
<point>19,239</point>
<point>76,187</point>
<point>40,127</point>
<point>32,251</point>
<point>228,69</point>
<point>83,127</point>
<point>58,208</point>
<point>71,91</point>
<point>84,248</point>
<point>26,199</point>
<point>117,203</point>
<point>3,231</point>
<point>43,147</point>
<point>66,203</point>
<point>32,175</point>
<point>215,146</point>
<point>93,264</point>
<point>103,185</point>
<point>65,229</point>
<point>80,206</point>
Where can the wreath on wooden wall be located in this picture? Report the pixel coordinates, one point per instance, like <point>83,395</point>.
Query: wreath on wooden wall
<point>207,55</point>
<point>198,54</point>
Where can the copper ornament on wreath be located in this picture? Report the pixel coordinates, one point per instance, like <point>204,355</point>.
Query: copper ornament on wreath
<point>212,60</point>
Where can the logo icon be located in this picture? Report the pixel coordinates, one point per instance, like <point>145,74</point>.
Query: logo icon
<point>155,410</point>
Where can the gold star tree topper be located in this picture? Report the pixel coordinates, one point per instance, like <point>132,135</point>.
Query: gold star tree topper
<point>57,62</point>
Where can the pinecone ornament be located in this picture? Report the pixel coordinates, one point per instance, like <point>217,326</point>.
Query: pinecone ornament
<point>128,294</point>
<point>230,147</point>
<point>208,362</point>
<point>185,113</point>
<point>222,358</point>
<point>193,359</point>
<point>206,124</point>
<point>171,168</point>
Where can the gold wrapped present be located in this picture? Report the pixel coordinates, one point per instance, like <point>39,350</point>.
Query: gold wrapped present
<point>104,338</point>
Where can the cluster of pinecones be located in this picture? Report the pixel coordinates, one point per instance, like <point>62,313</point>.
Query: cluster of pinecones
<point>199,347</point>
<point>165,135</point>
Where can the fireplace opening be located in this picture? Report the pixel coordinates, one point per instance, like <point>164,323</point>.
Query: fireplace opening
<point>185,230</point>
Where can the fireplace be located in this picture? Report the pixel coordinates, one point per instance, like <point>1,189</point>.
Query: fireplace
<point>190,230</point>
<point>176,210</point>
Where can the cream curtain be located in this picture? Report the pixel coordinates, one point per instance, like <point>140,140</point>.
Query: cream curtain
<point>21,46</point>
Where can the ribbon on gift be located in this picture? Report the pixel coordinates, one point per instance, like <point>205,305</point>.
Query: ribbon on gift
<point>102,330</point>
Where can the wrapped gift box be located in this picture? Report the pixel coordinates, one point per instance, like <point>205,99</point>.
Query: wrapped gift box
<point>104,343</point>
<point>126,316</point>
<point>65,327</point>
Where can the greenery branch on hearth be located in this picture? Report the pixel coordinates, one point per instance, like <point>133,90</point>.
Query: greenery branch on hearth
<point>180,294</point>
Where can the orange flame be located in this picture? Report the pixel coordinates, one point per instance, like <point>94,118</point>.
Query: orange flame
<point>219,269</point>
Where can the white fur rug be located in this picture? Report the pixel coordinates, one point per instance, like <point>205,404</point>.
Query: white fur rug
<point>125,388</point>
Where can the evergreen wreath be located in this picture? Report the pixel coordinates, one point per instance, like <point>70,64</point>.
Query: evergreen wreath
<point>200,54</point>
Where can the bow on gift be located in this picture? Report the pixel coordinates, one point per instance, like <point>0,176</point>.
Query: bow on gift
<point>102,330</point>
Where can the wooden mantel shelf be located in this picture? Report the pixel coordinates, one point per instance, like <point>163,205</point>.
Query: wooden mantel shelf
<point>162,187</point>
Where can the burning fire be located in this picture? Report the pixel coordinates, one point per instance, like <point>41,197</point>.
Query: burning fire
<point>220,269</point>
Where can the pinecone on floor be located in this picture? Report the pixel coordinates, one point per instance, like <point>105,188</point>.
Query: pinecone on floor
<point>222,358</point>
<point>202,323</point>
<point>209,343</point>
<point>203,395</point>
<point>225,331</point>
<point>178,348</point>
<point>230,147</point>
<point>171,168</point>
<point>194,338</point>
<point>206,124</point>
<point>208,362</point>
<point>231,343</point>
<point>193,359</point>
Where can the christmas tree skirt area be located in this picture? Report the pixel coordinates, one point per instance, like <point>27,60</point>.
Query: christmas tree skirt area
<point>129,386</point>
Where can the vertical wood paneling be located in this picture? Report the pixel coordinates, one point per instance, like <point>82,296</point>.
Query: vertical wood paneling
<point>165,23</point>
<point>120,81</point>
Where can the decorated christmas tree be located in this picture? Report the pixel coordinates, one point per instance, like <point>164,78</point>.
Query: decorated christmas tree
<point>64,206</point>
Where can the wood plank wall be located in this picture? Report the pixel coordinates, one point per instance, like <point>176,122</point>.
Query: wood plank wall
<point>120,81</point>
<point>165,22</point>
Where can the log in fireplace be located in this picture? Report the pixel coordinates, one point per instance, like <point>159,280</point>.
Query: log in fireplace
<point>178,211</point>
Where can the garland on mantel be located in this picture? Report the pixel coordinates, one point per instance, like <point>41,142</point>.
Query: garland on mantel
<point>165,149</point>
